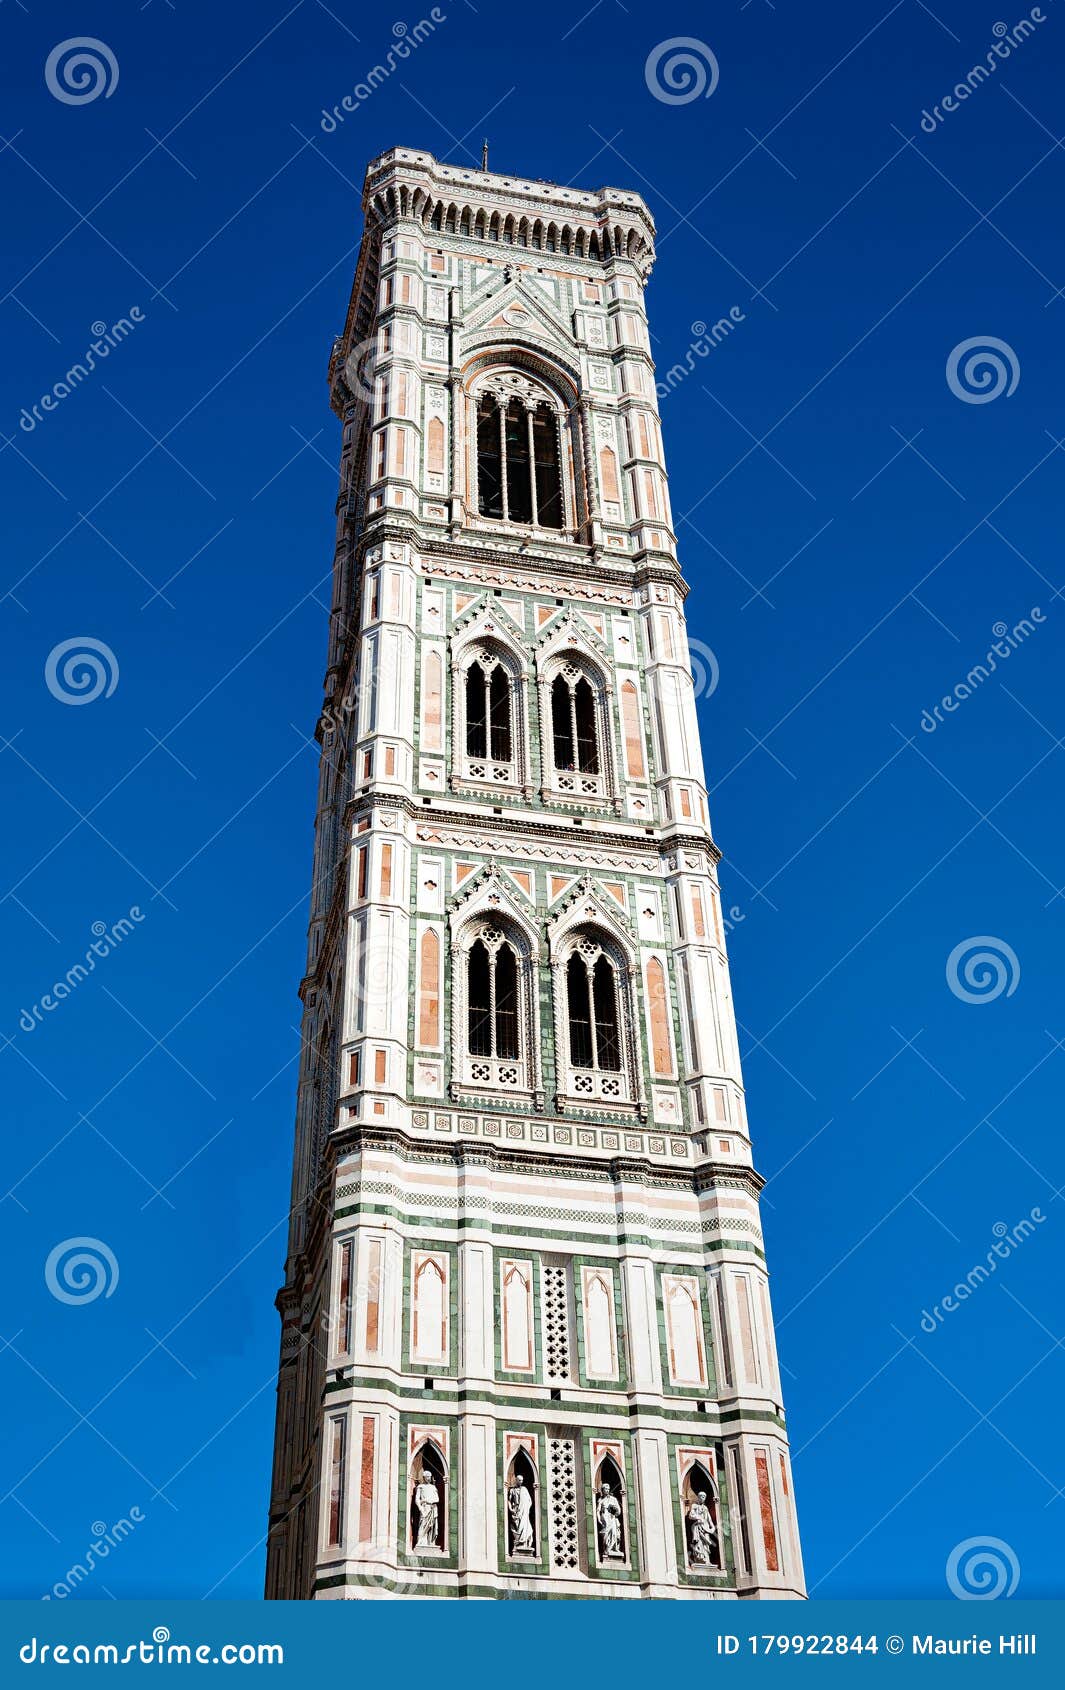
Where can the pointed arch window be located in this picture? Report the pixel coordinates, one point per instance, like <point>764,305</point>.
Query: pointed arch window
<point>573,724</point>
<point>488,723</point>
<point>489,711</point>
<point>493,1014</point>
<point>575,701</point>
<point>519,475</point>
<point>593,1021</point>
<point>592,1004</point>
<point>493,997</point>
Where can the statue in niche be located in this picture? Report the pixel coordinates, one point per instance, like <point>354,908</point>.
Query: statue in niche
<point>608,1519</point>
<point>519,1507</point>
<point>427,1508</point>
<point>701,1531</point>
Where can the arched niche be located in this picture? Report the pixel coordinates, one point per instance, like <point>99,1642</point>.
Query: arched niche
<point>521,1506</point>
<point>610,1523</point>
<point>427,1509</point>
<point>702,1526</point>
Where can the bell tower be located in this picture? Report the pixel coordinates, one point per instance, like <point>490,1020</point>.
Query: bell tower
<point>526,1344</point>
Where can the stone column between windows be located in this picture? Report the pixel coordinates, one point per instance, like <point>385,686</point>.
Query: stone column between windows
<point>503,488</point>
<point>529,419</point>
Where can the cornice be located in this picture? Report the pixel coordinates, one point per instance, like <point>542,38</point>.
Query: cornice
<point>522,194</point>
<point>653,845</point>
<point>589,565</point>
<point>462,1153</point>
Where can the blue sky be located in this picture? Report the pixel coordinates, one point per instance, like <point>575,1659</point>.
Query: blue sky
<point>853,530</point>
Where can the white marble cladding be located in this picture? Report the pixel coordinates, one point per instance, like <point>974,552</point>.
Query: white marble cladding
<point>499,1274</point>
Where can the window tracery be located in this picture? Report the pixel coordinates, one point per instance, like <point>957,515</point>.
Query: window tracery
<point>519,474</point>
<point>578,761</point>
<point>493,1015</point>
<point>596,1043</point>
<point>489,738</point>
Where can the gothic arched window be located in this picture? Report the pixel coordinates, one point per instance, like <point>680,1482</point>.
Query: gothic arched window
<point>489,712</point>
<point>488,726</point>
<point>592,1006</point>
<point>573,724</point>
<point>493,1014</point>
<point>493,998</point>
<point>573,699</point>
<point>595,1042</point>
<point>519,474</point>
